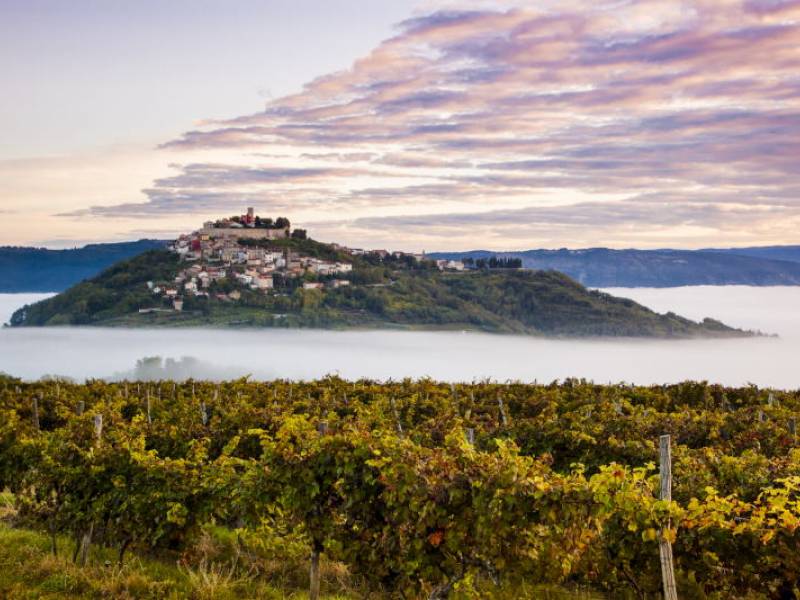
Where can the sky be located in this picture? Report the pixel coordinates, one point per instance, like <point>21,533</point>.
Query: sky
<point>404,124</point>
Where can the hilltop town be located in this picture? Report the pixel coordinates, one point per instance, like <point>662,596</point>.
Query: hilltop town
<point>247,250</point>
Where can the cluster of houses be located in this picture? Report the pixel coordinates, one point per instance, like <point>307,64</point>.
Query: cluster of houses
<point>223,251</point>
<point>229,250</point>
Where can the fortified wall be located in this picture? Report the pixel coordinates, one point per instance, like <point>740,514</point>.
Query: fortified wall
<point>250,233</point>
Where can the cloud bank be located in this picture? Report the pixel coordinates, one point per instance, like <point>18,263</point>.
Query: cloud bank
<point>625,123</point>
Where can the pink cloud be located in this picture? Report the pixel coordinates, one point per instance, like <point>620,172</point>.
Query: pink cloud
<point>698,100</point>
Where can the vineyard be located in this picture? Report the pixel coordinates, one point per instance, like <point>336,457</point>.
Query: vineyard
<point>419,489</point>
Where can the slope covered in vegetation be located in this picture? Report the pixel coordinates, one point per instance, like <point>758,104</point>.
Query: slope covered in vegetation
<point>383,292</point>
<point>417,489</point>
<point>44,270</point>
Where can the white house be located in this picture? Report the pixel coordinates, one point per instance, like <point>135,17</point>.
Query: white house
<point>263,282</point>
<point>344,267</point>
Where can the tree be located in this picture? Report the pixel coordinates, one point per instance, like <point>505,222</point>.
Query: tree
<point>299,234</point>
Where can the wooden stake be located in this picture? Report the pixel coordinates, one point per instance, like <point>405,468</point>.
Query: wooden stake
<point>396,417</point>
<point>35,413</point>
<point>502,411</point>
<point>470,436</point>
<point>313,592</point>
<point>664,545</point>
<point>86,541</point>
<point>98,427</point>
<point>80,408</point>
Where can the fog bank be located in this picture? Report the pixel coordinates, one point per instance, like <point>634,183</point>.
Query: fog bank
<point>304,354</point>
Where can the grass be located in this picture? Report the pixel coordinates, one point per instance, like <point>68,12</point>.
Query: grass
<point>28,570</point>
<point>212,570</point>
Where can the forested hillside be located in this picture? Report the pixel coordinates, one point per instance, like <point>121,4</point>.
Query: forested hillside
<point>384,292</point>
<point>44,270</point>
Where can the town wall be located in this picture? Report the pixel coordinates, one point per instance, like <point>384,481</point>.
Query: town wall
<point>249,233</point>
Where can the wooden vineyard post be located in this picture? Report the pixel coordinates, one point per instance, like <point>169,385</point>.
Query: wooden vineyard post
<point>793,428</point>
<point>80,407</point>
<point>470,433</point>
<point>149,418</point>
<point>82,553</point>
<point>314,577</point>
<point>503,416</point>
<point>86,541</point>
<point>664,545</point>
<point>398,424</point>
<point>313,592</point>
<point>98,427</point>
<point>35,409</point>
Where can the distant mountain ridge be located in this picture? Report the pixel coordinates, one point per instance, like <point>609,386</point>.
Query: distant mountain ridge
<point>604,267</point>
<point>24,269</point>
<point>790,253</point>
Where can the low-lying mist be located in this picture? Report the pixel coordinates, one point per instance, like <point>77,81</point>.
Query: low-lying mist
<point>304,354</point>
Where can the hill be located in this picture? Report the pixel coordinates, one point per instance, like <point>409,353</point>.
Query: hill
<point>603,267</point>
<point>785,253</point>
<point>42,270</point>
<point>380,291</point>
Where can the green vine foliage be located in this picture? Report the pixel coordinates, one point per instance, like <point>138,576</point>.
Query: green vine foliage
<point>424,488</point>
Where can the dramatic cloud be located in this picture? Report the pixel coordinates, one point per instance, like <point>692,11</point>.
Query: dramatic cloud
<point>621,122</point>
